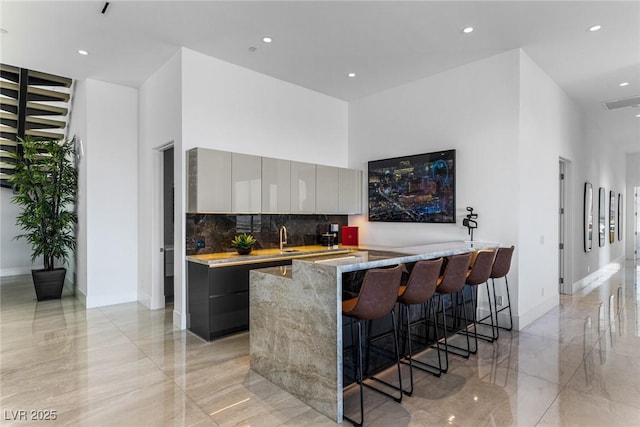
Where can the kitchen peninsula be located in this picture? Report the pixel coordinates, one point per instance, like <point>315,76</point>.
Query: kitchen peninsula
<point>218,286</point>
<point>296,319</point>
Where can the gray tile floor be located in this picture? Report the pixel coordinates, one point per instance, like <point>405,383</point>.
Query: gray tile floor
<point>123,365</point>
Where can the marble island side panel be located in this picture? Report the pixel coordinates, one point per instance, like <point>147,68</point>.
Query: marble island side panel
<point>296,332</point>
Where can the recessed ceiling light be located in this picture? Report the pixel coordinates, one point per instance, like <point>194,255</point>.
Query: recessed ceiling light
<point>637,115</point>
<point>83,52</point>
<point>252,48</point>
<point>351,74</point>
<point>623,84</point>
<point>267,39</point>
<point>468,30</point>
<point>595,28</point>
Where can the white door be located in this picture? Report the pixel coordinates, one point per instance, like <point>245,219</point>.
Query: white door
<point>563,287</point>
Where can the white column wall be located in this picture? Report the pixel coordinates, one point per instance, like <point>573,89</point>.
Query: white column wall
<point>550,128</point>
<point>110,193</point>
<point>160,113</point>
<point>78,127</point>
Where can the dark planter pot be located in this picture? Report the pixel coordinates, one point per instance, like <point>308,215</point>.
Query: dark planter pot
<point>243,251</point>
<point>48,283</point>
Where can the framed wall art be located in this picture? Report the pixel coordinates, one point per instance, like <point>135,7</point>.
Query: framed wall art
<point>588,216</point>
<point>417,188</point>
<point>612,216</point>
<point>620,209</point>
<point>602,207</point>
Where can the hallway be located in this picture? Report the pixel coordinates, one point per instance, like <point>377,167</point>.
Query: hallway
<point>124,365</point>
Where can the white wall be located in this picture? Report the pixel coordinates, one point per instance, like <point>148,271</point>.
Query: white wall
<point>510,124</point>
<point>199,101</point>
<point>550,128</point>
<point>473,109</point>
<point>78,127</point>
<point>231,108</point>
<point>107,263</point>
<point>447,111</point>
<point>15,255</point>
<point>160,112</point>
<point>603,167</point>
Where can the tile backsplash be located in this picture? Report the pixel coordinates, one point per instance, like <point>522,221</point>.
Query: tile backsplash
<point>208,233</point>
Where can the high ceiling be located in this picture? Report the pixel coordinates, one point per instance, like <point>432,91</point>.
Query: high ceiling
<point>317,43</point>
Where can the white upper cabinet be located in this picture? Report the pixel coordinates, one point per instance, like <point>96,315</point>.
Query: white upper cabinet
<point>276,185</point>
<point>327,187</point>
<point>303,187</point>
<point>350,191</point>
<point>246,188</point>
<point>209,180</point>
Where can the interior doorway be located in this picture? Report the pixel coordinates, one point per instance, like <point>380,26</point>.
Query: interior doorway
<point>168,221</point>
<point>636,224</point>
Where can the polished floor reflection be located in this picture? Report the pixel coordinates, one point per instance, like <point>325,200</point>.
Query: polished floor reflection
<point>123,365</point>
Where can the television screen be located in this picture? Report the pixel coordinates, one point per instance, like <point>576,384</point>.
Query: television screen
<point>418,188</point>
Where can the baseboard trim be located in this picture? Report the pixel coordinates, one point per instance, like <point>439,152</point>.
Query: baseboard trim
<point>598,275</point>
<point>179,320</point>
<point>19,271</point>
<point>80,296</point>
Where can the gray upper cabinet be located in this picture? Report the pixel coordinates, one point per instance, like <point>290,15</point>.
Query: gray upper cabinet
<point>208,180</point>
<point>225,182</point>
<point>338,190</point>
<point>349,191</point>
<point>276,185</point>
<point>246,188</point>
<point>303,187</point>
<point>327,187</point>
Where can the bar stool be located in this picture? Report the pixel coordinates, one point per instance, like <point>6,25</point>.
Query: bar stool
<point>419,290</point>
<point>451,283</point>
<point>500,269</point>
<point>478,275</point>
<point>376,299</point>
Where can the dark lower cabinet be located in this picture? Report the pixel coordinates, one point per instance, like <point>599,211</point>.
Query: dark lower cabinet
<point>218,298</point>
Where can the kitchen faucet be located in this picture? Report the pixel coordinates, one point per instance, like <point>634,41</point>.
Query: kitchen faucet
<point>283,236</point>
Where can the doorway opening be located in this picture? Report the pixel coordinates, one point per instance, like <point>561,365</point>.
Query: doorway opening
<point>636,225</point>
<point>168,221</point>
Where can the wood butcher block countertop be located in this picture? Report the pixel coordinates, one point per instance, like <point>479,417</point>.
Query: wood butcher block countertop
<point>226,259</point>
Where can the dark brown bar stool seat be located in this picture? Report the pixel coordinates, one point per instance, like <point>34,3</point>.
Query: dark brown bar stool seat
<point>479,274</point>
<point>451,283</point>
<point>376,299</point>
<point>419,290</point>
<point>501,267</point>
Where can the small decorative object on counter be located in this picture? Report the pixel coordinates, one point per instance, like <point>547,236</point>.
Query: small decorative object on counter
<point>243,243</point>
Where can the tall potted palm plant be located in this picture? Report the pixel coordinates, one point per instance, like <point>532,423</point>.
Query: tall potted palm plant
<point>45,181</point>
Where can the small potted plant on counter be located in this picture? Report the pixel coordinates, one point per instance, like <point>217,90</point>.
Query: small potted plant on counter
<point>243,243</point>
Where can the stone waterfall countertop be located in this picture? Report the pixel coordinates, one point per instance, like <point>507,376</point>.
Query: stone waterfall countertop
<point>225,259</point>
<point>295,318</point>
<point>364,258</point>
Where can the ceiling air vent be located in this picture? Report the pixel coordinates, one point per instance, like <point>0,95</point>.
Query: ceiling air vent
<point>622,103</point>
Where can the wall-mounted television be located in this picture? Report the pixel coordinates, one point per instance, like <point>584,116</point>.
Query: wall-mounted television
<point>417,188</point>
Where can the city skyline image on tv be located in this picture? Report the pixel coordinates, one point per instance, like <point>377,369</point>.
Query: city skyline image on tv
<point>417,188</point>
